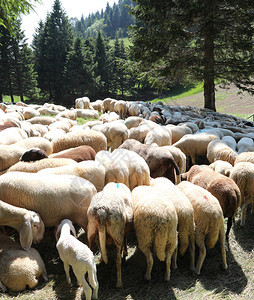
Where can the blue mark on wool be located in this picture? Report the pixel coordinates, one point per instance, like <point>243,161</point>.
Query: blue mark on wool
<point>117,185</point>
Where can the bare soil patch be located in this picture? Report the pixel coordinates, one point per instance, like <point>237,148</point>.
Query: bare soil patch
<point>229,101</point>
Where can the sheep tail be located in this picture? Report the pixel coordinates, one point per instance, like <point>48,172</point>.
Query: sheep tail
<point>160,241</point>
<point>102,216</point>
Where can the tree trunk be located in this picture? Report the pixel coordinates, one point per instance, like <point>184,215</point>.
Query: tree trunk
<point>209,87</point>
<point>21,98</point>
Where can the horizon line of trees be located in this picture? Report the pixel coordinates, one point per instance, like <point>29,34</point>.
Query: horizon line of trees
<point>173,42</point>
<point>60,66</point>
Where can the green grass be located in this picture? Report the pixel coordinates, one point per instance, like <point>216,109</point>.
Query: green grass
<point>7,98</point>
<point>180,92</point>
<point>81,121</point>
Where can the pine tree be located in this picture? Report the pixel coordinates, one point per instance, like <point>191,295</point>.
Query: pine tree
<point>16,63</point>
<point>54,43</point>
<point>102,65</point>
<point>196,40</point>
<point>78,78</point>
<point>6,85</point>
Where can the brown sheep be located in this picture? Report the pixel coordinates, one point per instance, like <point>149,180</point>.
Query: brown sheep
<point>78,154</point>
<point>220,186</point>
<point>160,161</point>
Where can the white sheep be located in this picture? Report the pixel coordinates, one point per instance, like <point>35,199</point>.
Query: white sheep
<point>139,133</point>
<point>110,213</point>
<point>54,134</point>
<point>87,113</point>
<point>12,135</point>
<point>97,105</point>
<point>120,107</point>
<point>90,170</point>
<point>82,103</point>
<point>230,141</point>
<point>108,105</point>
<point>10,155</point>
<point>179,157</point>
<point>77,255</point>
<point>245,156</point>
<point>193,145</point>
<point>139,172</point>
<point>208,218</point>
<point>36,142</point>
<point>19,268</point>
<point>133,121</point>
<point>54,197</point>
<point>42,120</point>
<point>159,135</point>
<point>243,175</point>
<point>93,138</point>
<point>178,132</point>
<point>221,166</point>
<point>245,144</point>
<point>67,114</point>
<point>116,133</point>
<point>115,171</point>
<point>109,117</point>
<point>218,150</point>
<point>155,223</point>
<point>185,214</point>
<point>28,223</point>
<point>35,166</point>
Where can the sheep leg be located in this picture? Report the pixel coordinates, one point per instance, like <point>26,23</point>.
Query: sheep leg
<point>243,213</point>
<point>229,225</point>
<point>93,282</point>
<point>3,287</point>
<point>222,247</point>
<point>171,250</point>
<point>149,261</point>
<point>192,254</point>
<point>66,269</point>
<point>118,267</point>
<point>174,259</point>
<point>202,253</point>
<point>86,288</point>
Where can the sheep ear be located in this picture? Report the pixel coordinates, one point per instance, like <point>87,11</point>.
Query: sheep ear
<point>57,234</point>
<point>73,230</point>
<point>26,236</point>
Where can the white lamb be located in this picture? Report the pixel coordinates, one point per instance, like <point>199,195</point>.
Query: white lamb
<point>77,255</point>
<point>155,223</point>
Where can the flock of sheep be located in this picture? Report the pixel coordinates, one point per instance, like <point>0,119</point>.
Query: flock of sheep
<point>172,174</point>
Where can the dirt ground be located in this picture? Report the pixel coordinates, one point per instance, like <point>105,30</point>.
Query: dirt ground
<point>229,101</point>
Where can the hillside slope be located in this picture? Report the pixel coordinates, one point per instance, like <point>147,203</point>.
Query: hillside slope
<point>228,101</point>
